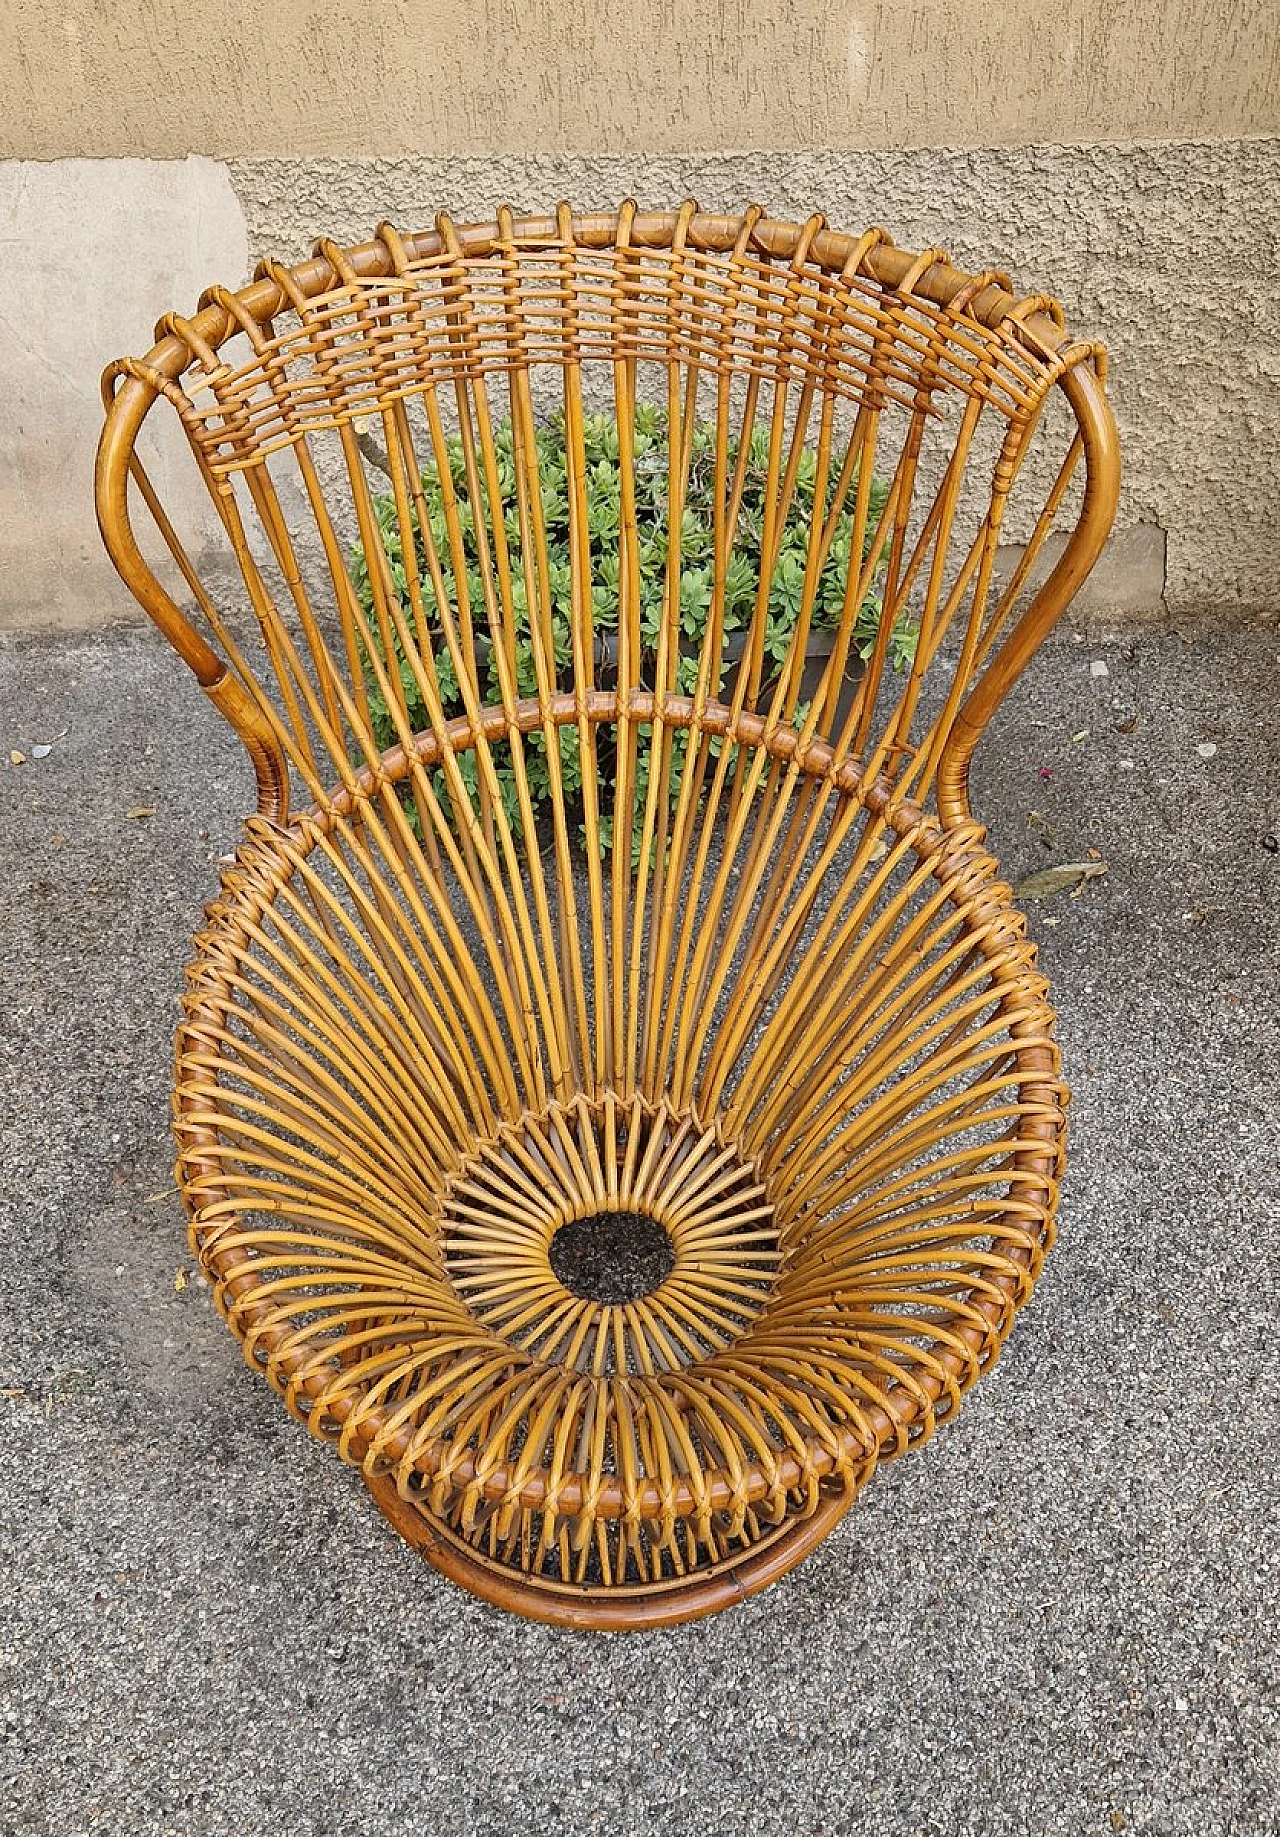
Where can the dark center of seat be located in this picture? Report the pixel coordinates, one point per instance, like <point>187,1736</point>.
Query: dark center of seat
<point>612,1257</point>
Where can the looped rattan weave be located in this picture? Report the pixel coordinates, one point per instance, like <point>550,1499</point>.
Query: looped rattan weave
<point>569,910</point>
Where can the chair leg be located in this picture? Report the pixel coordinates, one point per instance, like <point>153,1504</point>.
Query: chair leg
<point>621,1610</point>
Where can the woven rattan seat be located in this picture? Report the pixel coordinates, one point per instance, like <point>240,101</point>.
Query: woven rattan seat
<point>616,1101</point>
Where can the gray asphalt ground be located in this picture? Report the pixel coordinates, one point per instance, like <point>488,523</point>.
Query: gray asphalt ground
<point>1060,1617</point>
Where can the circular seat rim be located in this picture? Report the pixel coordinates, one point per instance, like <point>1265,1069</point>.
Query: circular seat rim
<point>618,1607</point>
<point>986,907</point>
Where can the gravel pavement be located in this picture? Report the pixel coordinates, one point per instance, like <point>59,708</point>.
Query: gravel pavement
<point>1058,1618</point>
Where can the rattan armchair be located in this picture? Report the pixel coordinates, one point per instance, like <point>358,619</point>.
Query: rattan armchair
<point>617,1104</point>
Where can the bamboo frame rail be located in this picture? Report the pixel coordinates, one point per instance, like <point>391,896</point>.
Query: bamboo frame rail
<point>559,912</point>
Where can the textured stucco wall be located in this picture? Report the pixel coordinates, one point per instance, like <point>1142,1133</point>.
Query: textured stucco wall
<point>430,77</point>
<point>94,250</point>
<point>1170,252</point>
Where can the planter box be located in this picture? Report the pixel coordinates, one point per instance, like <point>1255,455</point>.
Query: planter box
<point>817,656</point>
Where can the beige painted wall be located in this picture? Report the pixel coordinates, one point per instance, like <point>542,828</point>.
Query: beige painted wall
<point>440,77</point>
<point>1125,156</point>
<point>94,251</point>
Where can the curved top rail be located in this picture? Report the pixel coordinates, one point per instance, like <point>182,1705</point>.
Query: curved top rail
<point>990,303</point>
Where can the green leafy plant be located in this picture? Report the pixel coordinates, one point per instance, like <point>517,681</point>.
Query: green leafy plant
<point>603,490</point>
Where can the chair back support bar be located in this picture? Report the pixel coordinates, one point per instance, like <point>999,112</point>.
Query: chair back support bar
<point>799,320</point>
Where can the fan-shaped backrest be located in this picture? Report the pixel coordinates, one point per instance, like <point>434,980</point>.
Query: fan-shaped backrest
<point>605,482</point>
